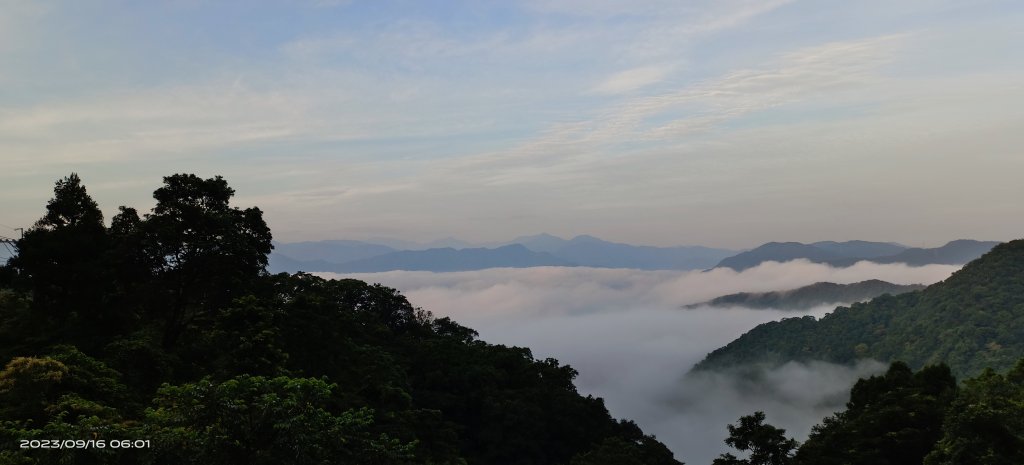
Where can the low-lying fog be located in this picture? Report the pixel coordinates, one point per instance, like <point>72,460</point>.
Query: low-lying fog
<point>625,332</point>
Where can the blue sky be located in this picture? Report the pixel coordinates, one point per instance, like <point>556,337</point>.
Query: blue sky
<point>725,123</point>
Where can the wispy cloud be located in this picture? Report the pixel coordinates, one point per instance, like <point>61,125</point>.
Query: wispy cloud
<point>796,76</point>
<point>674,114</point>
<point>686,117</point>
<point>631,79</point>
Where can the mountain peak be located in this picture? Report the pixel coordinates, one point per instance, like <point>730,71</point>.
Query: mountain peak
<point>586,238</point>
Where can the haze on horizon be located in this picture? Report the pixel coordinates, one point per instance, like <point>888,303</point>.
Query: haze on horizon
<point>720,123</point>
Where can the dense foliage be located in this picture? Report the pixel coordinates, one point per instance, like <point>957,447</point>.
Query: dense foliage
<point>891,419</point>
<point>166,328</point>
<point>903,418</point>
<point>972,321</point>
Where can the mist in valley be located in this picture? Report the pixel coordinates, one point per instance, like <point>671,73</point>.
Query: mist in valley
<point>633,344</point>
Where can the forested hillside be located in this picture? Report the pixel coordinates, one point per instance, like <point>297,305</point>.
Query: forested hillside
<point>971,321</point>
<point>163,334</point>
<point>810,296</point>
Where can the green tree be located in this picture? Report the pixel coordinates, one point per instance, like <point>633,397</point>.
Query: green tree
<point>985,423</point>
<point>215,361</point>
<point>28,386</point>
<point>65,385</point>
<point>61,260</point>
<point>766,444</point>
<point>204,252</point>
<point>892,419</point>
<point>252,420</point>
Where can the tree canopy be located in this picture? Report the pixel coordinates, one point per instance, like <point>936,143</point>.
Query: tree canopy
<point>165,327</point>
<point>765,444</point>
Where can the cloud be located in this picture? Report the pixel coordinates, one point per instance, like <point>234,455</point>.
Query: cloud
<point>572,151</point>
<point>696,119</point>
<point>795,76</point>
<point>17,20</point>
<point>330,3</point>
<point>547,291</point>
<point>794,397</point>
<point>631,79</point>
<point>694,16</point>
<point>625,332</point>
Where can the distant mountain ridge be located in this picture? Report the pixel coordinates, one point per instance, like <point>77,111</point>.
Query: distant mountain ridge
<point>777,252</point>
<point>810,296</point>
<point>844,254</point>
<point>346,256</point>
<point>956,252</point>
<point>449,259</point>
<point>335,251</point>
<point>591,251</point>
<point>862,249</point>
<point>971,321</point>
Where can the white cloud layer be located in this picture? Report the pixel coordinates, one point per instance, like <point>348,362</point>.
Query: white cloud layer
<point>632,344</point>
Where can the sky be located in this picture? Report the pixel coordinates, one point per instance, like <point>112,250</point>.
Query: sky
<point>633,344</point>
<point>723,123</point>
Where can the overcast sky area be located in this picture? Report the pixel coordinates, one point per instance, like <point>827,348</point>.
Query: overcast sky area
<point>715,122</point>
<point>625,333</point>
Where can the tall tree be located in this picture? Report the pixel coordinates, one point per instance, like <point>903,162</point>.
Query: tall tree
<point>204,252</point>
<point>61,260</point>
<point>767,444</point>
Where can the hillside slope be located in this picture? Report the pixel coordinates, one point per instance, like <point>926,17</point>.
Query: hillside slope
<point>973,320</point>
<point>806,297</point>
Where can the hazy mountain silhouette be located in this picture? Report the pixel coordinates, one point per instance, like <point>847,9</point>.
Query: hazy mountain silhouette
<point>953,253</point>
<point>778,252</point>
<point>445,242</point>
<point>844,254</point>
<point>591,251</point>
<point>445,259</point>
<point>584,250</point>
<point>542,242</point>
<point>536,250</point>
<point>862,249</point>
<point>810,296</point>
<point>336,251</point>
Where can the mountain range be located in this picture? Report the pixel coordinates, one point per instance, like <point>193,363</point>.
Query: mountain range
<point>844,254</point>
<point>449,254</point>
<point>347,256</point>
<point>810,296</point>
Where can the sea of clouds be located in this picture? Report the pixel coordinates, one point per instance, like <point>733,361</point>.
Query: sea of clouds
<point>626,333</point>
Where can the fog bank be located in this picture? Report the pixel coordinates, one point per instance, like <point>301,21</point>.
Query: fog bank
<point>625,332</point>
